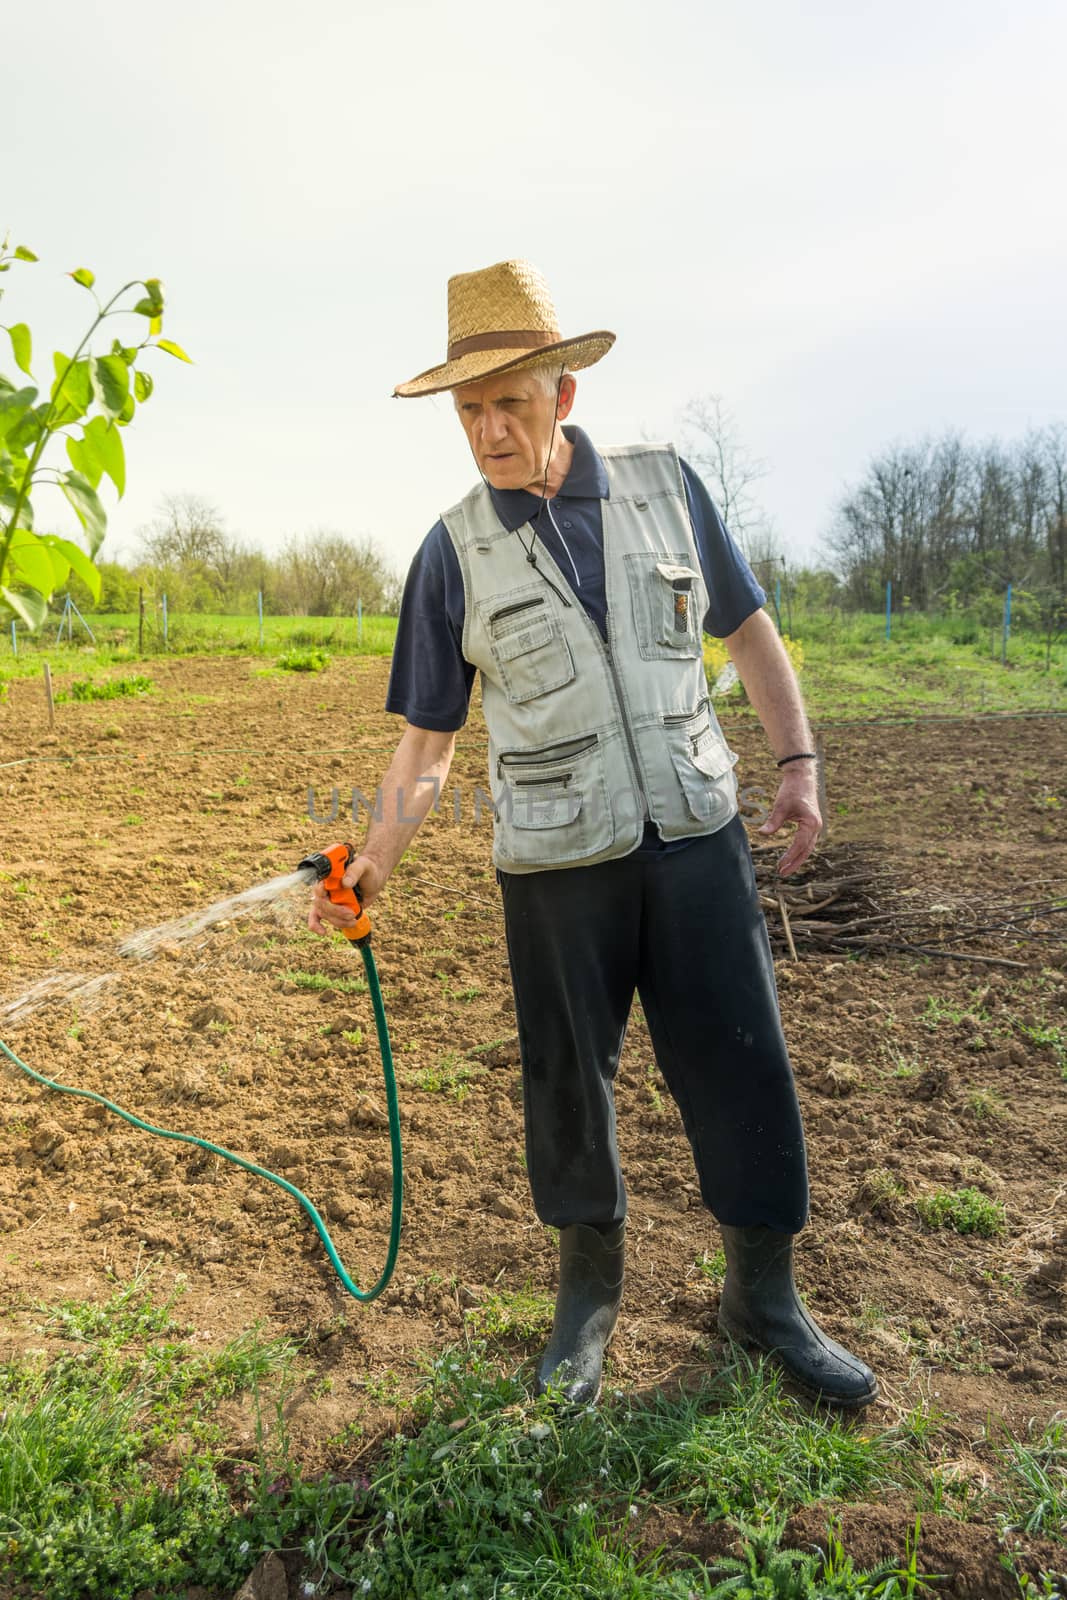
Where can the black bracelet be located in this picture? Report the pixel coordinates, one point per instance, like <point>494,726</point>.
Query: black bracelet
<point>802,755</point>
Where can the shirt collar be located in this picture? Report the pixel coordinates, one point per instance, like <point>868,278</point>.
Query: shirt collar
<point>586,480</point>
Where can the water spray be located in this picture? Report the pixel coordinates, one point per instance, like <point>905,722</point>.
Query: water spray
<point>327,867</point>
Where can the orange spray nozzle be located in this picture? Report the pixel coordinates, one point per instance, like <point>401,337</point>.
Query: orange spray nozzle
<point>330,866</point>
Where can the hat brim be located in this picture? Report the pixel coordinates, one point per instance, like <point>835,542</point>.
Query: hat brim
<point>580,352</point>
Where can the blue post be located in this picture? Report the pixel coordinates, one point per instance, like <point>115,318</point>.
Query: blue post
<point>359,616</point>
<point>259,600</point>
<point>888,606</point>
<point>1007,625</point>
<point>164,622</point>
<point>14,639</point>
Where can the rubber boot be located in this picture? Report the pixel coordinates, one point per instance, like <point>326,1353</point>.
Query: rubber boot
<point>760,1306</point>
<point>587,1306</point>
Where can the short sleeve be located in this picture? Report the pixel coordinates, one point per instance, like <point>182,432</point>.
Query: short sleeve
<point>733,591</point>
<point>430,681</point>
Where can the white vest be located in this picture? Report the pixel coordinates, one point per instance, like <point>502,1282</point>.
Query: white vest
<point>587,739</point>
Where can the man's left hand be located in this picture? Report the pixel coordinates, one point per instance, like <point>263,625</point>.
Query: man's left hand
<point>797,801</point>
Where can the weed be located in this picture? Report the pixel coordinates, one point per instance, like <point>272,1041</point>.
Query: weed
<point>963,1210</point>
<point>451,1076</point>
<point>985,1105</point>
<point>712,1267</point>
<point>114,689</point>
<point>303,661</point>
<point>317,981</point>
<point>511,1314</point>
<point>1036,1495</point>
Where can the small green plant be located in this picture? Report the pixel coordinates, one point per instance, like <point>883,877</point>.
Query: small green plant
<point>1036,1494</point>
<point>511,1314</point>
<point>712,1267</point>
<point>303,661</point>
<point>112,689</point>
<point>985,1105</point>
<point>318,981</point>
<point>451,1076</point>
<point>962,1210</point>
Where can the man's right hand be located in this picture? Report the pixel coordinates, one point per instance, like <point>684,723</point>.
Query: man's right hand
<point>366,877</point>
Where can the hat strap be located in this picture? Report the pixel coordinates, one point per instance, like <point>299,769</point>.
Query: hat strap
<point>512,339</point>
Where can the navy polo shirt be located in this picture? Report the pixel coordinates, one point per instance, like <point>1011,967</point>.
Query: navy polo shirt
<point>430,681</point>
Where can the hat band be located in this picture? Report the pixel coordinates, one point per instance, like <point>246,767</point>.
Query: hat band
<point>512,339</point>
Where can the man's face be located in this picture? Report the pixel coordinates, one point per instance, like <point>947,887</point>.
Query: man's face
<point>508,420</point>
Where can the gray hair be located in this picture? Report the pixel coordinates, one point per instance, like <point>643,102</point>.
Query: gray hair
<point>548,372</point>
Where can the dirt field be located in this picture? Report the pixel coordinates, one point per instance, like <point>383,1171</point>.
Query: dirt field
<point>914,1075</point>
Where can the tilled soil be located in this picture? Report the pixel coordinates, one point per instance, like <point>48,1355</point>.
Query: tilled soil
<point>915,1074</point>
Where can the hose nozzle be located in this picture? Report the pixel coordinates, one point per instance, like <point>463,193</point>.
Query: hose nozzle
<point>329,867</point>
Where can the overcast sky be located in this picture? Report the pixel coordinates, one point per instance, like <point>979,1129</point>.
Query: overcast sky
<point>847,220</point>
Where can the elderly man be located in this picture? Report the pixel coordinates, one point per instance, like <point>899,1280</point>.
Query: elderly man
<point>578,582</point>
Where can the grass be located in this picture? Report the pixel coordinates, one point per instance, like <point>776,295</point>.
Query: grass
<point>962,1210</point>
<point>303,661</point>
<point>931,664</point>
<point>484,1493</point>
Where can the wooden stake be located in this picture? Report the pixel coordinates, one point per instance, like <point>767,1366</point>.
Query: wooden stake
<point>49,696</point>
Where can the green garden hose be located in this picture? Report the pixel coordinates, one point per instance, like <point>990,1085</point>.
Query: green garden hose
<point>262,1172</point>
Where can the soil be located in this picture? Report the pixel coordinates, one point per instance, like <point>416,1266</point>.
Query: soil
<point>200,790</point>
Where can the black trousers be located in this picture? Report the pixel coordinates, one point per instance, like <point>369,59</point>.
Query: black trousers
<point>685,930</point>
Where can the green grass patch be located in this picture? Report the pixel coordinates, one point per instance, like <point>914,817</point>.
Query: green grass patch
<point>511,1314</point>
<point>1035,1499</point>
<point>486,1494</point>
<point>962,1210</point>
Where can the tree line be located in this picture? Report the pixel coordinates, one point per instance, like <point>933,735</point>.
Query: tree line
<point>187,553</point>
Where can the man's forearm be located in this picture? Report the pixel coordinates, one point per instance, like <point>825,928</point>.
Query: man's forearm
<point>412,784</point>
<point>771,684</point>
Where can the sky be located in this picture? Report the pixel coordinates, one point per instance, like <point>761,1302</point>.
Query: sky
<point>846,220</point>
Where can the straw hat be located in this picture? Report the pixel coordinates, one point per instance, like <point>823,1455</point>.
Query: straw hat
<point>501,318</point>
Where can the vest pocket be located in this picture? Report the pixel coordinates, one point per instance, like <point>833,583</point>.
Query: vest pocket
<point>665,599</point>
<point>703,761</point>
<point>532,657</point>
<point>552,804</point>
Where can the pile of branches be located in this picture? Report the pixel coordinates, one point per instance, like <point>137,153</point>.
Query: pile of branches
<point>846,899</point>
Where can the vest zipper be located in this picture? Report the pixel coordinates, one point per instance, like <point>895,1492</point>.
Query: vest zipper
<point>567,751</point>
<point>521,605</point>
<point>686,716</point>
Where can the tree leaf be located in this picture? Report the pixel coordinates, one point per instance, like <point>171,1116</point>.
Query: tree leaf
<point>24,254</point>
<point>83,276</point>
<point>126,414</point>
<point>87,507</point>
<point>143,384</point>
<point>110,378</point>
<point>84,458</point>
<point>109,451</point>
<point>13,408</point>
<point>173,349</point>
<point>79,561</point>
<point>29,562</point>
<point>32,608</point>
<point>72,390</point>
<point>21,344</point>
<point>154,287</point>
<point>155,325</point>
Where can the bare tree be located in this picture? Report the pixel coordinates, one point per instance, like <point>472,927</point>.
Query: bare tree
<point>324,573</point>
<point>185,531</point>
<point>711,441</point>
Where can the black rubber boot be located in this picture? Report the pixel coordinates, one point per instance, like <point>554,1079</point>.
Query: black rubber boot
<point>760,1306</point>
<point>587,1306</point>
